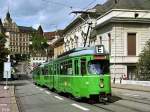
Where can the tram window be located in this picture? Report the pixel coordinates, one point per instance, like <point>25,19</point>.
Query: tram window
<point>83,67</point>
<point>69,67</point>
<point>42,69</point>
<point>98,67</point>
<point>38,72</point>
<point>62,68</point>
<point>54,68</point>
<point>58,69</point>
<point>46,70</point>
<point>76,67</point>
<point>50,70</point>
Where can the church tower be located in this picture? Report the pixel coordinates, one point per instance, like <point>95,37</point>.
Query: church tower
<point>40,30</point>
<point>8,19</point>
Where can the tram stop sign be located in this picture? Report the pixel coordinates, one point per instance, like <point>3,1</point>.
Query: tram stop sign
<point>99,49</point>
<point>7,70</point>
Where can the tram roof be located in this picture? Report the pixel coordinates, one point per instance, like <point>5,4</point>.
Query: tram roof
<point>82,51</point>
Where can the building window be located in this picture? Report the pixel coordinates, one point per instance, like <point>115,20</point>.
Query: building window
<point>76,41</point>
<point>100,40</point>
<point>131,72</point>
<point>109,36</point>
<point>131,43</point>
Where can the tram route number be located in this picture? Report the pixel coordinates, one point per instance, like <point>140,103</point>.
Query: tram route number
<point>100,49</point>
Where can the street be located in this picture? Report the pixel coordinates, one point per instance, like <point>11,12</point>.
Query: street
<point>31,98</point>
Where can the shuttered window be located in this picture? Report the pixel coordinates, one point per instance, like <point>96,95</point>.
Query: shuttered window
<point>109,35</point>
<point>131,43</point>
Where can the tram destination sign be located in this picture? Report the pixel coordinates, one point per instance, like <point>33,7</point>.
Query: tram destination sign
<point>99,49</point>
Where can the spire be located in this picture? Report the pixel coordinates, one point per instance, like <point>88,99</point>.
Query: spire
<point>40,30</point>
<point>8,18</point>
<point>8,15</point>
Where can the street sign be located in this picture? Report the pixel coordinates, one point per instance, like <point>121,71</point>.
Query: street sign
<point>7,70</point>
<point>100,49</point>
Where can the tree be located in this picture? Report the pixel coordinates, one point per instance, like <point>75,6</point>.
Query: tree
<point>39,45</point>
<point>143,66</point>
<point>3,52</point>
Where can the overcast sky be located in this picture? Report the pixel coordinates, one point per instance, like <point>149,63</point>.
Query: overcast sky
<point>51,14</point>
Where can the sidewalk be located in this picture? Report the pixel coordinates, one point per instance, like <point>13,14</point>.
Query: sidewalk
<point>7,99</point>
<point>131,87</point>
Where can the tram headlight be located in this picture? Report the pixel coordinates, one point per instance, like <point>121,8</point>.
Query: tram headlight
<point>101,84</point>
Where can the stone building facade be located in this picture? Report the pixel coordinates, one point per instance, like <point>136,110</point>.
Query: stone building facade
<point>18,37</point>
<point>123,27</point>
<point>124,30</point>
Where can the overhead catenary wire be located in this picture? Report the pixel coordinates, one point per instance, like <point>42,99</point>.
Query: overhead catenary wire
<point>59,3</point>
<point>69,6</point>
<point>89,4</point>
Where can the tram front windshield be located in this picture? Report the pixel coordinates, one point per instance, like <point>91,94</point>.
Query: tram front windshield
<point>98,67</point>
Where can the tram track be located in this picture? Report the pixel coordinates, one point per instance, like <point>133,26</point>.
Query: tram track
<point>138,100</point>
<point>113,107</point>
<point>116,106</point>
<point>102,107</point>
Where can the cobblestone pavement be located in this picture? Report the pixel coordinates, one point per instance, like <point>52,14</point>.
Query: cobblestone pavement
<point>7,99</point>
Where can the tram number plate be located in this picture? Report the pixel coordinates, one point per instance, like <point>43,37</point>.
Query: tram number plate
<point>100,49</point>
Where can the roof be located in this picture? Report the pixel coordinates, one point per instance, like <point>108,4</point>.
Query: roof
<point>51,35</point>
<point>84,51</point>
<point>124,20</point>
<point>126,4</point>
<point>26,29</point>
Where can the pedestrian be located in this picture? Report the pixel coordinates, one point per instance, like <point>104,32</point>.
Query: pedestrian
<point>114,80</point>
<point>120,80</point>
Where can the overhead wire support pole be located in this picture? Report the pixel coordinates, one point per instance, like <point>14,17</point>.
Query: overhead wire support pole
<point>89,23</point>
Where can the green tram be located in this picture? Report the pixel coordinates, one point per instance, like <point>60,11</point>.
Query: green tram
<point>81,72</point>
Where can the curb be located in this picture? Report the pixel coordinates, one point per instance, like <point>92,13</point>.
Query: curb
<point>131,87</point>
<point>14,107</point>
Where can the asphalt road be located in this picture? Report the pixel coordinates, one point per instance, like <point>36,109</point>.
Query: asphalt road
<point>31,98</point>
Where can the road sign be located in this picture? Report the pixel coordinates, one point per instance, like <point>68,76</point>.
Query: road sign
<point>100,49</point>
<point>7,70</point>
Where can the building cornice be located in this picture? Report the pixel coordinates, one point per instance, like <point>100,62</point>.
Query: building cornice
<point>124,20</point>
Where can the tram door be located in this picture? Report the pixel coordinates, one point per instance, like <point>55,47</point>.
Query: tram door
<point>76,67</point>
<point>83,66</point>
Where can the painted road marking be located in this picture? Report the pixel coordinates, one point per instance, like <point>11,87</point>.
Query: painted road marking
<point>47,92</point>
<point>3,104</point>
<point>127,94</point>
<point>41,89</point>
<point>5,110</point>
<point>80,107</point>
<point>135,95</point>
<point>59,98</point>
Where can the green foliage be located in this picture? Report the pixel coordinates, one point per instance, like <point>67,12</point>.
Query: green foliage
<point>143,65</point>
<point>39,45</point>
<point>3,52</point>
